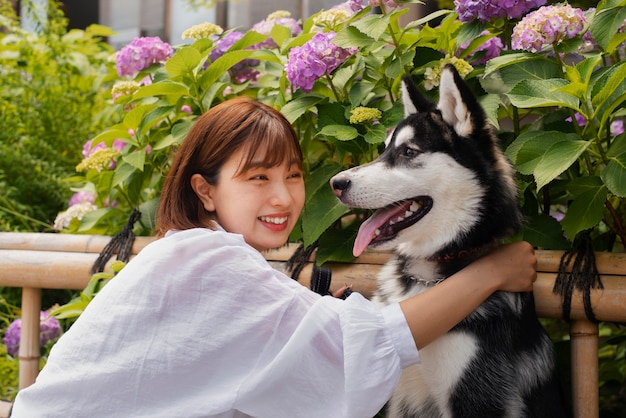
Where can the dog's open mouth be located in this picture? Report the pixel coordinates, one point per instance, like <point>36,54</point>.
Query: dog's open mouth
<point>385,223</point>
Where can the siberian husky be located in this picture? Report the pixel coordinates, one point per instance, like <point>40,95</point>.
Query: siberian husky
<point>445,195</point>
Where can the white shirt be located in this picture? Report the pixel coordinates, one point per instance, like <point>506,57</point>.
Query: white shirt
<point>200,325</point>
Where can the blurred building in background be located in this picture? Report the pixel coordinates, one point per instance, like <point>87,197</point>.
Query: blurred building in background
<point>168,19</point>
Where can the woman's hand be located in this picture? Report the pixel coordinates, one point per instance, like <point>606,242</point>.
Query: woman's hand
<point>511,267</point>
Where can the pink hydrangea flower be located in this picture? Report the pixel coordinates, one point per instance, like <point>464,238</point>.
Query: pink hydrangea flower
<point>82,197</point>
<point>49,329</point>
<point>315,58</point>
<point>547,26</point>
<point>486,10</point>
<point>140,54</point>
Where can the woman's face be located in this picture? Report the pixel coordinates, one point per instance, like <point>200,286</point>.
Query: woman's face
<point>262,204</point>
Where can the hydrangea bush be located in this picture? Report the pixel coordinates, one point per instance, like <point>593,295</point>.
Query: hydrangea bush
<point>551,79</point>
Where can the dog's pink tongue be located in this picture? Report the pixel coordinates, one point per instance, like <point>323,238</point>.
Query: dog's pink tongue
<point>367,230</point>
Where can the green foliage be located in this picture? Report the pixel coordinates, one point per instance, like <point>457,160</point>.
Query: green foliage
<point>8,374</point>
<point>52,101</point>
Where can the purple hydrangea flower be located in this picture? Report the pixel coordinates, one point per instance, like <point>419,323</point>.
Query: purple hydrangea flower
<point>546,26</point>
<point>617,127</point>
<point>242,71</point>
<point>355,5</point>
<point>140,54</point>
<point>485,10</point>
<point>580,119</point>
<point>315,58</point>
<point>491,48</point>
<point>383,3</point>
<point>49,329</point>
<point>265,27</point>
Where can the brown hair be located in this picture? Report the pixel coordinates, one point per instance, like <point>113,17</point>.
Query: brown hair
<point>240,123</point>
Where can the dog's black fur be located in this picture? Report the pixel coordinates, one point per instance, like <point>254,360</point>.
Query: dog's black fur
<point>447,195</point>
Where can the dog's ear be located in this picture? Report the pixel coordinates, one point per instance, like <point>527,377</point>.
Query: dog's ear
<point>414,101</point>
<point>456,100</point>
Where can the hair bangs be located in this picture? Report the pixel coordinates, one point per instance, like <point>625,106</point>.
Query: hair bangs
<point>271,142</point>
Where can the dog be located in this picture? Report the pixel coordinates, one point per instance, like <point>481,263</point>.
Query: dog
<point>444,195</point>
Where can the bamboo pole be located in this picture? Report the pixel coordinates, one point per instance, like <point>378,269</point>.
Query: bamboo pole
<point>29,337</point>
<point>584,352</point>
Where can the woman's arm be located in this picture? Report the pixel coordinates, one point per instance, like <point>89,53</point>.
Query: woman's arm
<point>432,313</point>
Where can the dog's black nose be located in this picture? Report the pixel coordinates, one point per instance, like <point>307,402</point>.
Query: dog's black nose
<point>339,184</point>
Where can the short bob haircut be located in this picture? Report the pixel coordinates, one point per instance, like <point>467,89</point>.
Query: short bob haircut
<point>240,123</point>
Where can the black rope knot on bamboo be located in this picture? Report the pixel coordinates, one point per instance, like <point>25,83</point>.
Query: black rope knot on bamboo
<point>584,275</point>
<point>122,243</point>
<point>321,277</point>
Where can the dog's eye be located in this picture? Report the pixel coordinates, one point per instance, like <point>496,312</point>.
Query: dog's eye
<point>409,152</point>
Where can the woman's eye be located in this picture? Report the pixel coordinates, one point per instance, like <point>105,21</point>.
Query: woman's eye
<point>295,175</point>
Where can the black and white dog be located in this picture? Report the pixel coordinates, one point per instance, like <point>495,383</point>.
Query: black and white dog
<point>445,195</point>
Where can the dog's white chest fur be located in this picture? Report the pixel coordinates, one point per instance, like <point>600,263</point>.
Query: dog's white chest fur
<point>443,363</point>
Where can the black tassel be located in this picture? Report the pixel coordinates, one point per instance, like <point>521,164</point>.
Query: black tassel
<point>299,258</point>
<point>584,275</point>
<point>122,243</point>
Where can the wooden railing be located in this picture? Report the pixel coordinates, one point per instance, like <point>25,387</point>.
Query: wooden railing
<point>36,261</point>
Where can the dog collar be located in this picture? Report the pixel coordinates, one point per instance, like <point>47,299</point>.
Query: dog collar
<point>459,255</point>
<point>425,282</point>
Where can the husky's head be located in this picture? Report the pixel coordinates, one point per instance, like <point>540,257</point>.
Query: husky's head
<point>442,183</point>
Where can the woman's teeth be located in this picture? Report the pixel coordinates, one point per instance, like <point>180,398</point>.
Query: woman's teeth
<point>273,220</point>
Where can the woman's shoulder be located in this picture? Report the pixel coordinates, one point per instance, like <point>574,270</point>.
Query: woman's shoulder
<point>200,243</point>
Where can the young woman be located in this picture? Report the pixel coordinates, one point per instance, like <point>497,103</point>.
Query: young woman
<point>199,324</point>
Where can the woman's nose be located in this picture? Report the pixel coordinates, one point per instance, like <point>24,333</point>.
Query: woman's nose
<point>280,194</point>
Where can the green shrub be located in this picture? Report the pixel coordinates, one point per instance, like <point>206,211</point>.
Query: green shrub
<point>55,86</point>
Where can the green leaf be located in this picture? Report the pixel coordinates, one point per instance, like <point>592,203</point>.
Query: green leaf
<point>490,104</point>
<point>136,159</point>
<point>612,92</point>
<point>376,134</point>
<point>505,60</point>
<point>280,34</point>
<point>221,65</point>
<point>511,73</point>
<point>322,208</point>
<point>529,148</point>
<point>154,116</point>
<point>605,25</point>
<point>183,61</point>
<point>94,218</point>
<point>336,245</point>
<point>134,117</point>
<point>559,157</point>
<point>373,25</point>
<point>300,105</point>
<point>350,37</point>
<point>542,93</point>
<point>163,88</point>
<point>179,131</point>
<point>122,172</point>
<point>340,132</point>
<point>543,231</point>
<point>614,175</point>
<point>586,211</point>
